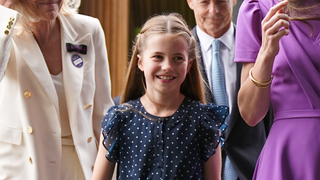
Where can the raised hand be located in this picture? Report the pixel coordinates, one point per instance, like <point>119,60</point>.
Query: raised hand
<point>274,26</point>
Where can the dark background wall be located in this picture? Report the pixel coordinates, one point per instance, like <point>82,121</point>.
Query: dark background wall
<point>140,10</point>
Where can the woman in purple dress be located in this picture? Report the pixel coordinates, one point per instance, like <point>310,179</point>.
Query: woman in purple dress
<point>279,44</point>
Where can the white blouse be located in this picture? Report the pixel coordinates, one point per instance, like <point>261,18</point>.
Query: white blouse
<point>66,134</point>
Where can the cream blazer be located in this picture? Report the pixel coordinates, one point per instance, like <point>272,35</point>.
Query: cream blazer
<point>30,133</point>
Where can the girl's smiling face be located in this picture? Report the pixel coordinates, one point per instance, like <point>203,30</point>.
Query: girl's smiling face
<point>165,62</point>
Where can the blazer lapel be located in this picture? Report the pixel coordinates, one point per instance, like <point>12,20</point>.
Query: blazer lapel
<point>235,114</point>
<point>36,62</point>
<point>72,74</point>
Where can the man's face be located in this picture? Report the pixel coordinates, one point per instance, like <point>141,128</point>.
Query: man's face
<point>213,16</point>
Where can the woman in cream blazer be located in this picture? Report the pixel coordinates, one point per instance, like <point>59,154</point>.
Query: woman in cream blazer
<point>30,125</point>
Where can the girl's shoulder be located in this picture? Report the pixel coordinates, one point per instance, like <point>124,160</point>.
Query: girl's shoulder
<point>127,106</point>
<point>205,111</point>
<point>117,112</point>
<point>195,105</point>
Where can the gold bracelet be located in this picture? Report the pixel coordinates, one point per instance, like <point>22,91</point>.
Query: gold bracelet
<point>259,84</point>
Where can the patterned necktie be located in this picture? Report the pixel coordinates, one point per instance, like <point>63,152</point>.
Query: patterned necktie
<point>221,98</point>
<point>228,172</point>
<point>217,76</point>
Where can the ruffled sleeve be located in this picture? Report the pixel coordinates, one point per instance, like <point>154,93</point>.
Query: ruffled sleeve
<point>110,132</point>
<point>213,118</point>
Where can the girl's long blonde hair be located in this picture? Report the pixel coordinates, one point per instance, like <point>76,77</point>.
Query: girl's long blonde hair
<point>172,24</point>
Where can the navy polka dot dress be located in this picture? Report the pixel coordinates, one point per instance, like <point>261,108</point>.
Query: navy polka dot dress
<point>151,147</point>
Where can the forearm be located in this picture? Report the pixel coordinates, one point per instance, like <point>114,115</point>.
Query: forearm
<point>103,168</point>
<point>212,167</point>
<point>253,101</point>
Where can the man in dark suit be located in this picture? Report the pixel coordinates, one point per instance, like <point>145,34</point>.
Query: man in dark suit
<point>242,143</point>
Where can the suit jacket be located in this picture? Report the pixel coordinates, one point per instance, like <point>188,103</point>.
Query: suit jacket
<point>243,143</point>
<point>30,133</point>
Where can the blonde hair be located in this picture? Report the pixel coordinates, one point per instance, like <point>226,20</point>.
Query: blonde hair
<point>68,7</point>
<point>172,24</point>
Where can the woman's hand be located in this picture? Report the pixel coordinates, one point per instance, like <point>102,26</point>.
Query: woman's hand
<point>274,26</point>
<point>8,3</point>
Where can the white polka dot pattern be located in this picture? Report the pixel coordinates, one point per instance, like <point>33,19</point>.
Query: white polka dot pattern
<point>150,147</point>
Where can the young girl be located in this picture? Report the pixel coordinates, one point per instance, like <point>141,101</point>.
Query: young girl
<point>162,131</point>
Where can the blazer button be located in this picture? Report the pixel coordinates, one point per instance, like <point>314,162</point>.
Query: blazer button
<point>29,130</point>
<point>12,19</point>
<point>89,139</point>
<point>6,32</point>
<point>87,106</point>
<point>92,167</point>
<point>10,23</point>
<point>27,94</point>
<point>30,160</point>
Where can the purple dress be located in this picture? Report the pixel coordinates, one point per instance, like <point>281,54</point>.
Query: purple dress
<point>292,149</point>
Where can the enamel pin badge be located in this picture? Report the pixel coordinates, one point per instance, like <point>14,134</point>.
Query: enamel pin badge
<point>77,61</point>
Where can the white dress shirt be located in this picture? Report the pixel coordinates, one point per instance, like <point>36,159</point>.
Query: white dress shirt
<point>226,56</point>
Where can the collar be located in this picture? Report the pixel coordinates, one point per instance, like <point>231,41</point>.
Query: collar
<point>206,40</point>
<point>66,28</point>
